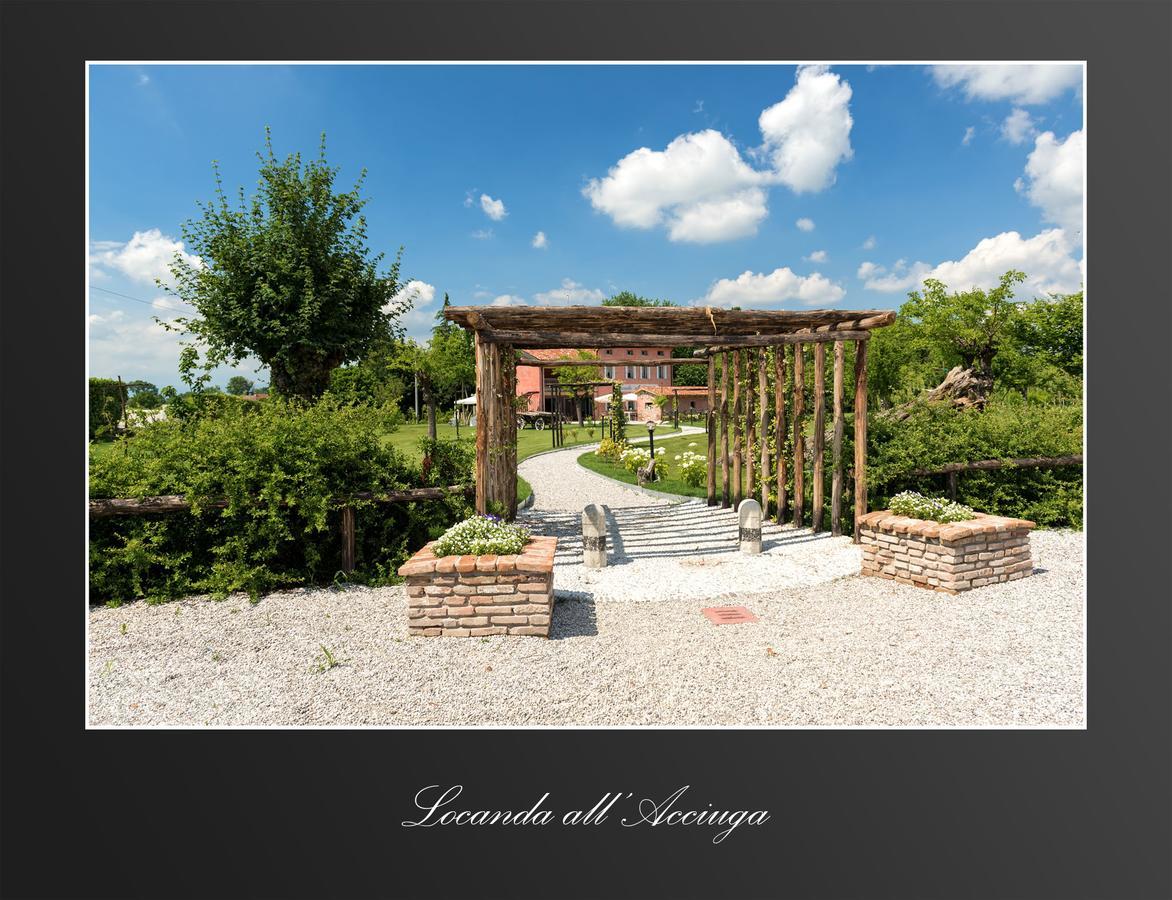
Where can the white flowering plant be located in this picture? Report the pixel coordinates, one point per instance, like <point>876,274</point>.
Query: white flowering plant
<point>635,458</point>
<point>934,509</point>
<point>693,467</point>
<point>481,536</point>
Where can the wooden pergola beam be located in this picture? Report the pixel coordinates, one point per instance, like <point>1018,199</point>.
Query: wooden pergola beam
<point>764,340</point>
<point>601,363</point>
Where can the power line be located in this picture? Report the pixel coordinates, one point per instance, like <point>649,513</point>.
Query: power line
<point>94,287</point>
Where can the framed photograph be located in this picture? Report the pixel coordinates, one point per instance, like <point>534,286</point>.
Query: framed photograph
<point>586,450</point>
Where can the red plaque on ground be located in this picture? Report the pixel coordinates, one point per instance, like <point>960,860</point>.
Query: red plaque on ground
<point>728,615</point>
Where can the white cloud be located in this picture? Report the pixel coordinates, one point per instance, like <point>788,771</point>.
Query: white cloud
<point>778,286</point>
<point>870,243</point>
<point>145,258</point>
<point>509,300</point>
<point>1018,126</point>
<point>710,221</point>
<point>1047,259</point>
<point>143,79</point>
<point>540,241</point>
<point>805,224</point>
<point>1021,84</point>
<point>699,107</point>
<point>139,347</point>
<point>571,293</point>
<point>482,234</point>
<point>494,209</point>
<point>647,187</point>
<point>419,319</point>
<point>170,304</point>
<point>808,133</point>
<point>700,188</point>
<point>818,256</point>
<point>968,136</point>
<point>1054,177</point>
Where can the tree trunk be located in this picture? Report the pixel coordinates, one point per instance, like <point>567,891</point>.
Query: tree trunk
<point>963,388</point>
<point>429,399</point>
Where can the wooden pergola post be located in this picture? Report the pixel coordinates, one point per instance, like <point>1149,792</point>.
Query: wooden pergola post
<point>750,480</point>
<point>836,447</point>
<point>860,433</point>
<point>711,422</point>
<point>724,477</point>
<point>819,431</point>
<point>799,435</point>
<point>763,400</point>
<point>737,483</point>
<point>779,429</point>
<point>496,429</point>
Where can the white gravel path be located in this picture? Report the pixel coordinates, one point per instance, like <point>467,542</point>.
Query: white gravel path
<point>668,550</point>
<point>828,650</point>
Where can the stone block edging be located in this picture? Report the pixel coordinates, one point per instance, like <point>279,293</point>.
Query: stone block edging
<point>475,596</point>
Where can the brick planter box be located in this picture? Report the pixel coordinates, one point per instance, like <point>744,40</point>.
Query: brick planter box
<point>472,596</point>
<point>951,558</point>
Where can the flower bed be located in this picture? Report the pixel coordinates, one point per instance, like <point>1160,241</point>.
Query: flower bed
<point>953,557</point>
<point>474,596</point>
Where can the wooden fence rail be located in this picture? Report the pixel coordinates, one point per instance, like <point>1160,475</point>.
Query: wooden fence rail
<point>984,465</point>
<point>175,503</point>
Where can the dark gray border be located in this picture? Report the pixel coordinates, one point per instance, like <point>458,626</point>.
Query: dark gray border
<point>899,814</point>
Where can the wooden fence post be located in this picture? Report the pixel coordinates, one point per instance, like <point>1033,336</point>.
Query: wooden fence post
<point>347,539</point>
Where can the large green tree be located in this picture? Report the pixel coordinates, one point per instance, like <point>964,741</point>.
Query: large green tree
<point>286,276</point>
<point>238,386</point>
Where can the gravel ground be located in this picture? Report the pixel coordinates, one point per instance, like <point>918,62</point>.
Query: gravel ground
<point>828,649</point>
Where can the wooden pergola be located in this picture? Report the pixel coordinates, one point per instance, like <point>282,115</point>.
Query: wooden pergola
<point>740,340</point>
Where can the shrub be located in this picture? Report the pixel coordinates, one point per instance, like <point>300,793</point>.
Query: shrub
<point>1009,427</point>
<point>280,465</point>
<point>105,398</point>
<point>935,509</point>
<point>610,450</point>
<point>635,458</point>
<point>693,467</point>
<point>481,535</point>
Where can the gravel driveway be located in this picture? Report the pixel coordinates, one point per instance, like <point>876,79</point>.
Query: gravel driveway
<point>628,644</point>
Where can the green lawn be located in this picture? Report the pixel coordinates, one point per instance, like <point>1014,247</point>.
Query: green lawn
<point>669,485</point>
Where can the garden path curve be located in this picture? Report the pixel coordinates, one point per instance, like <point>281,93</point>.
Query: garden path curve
<point>661,549</point>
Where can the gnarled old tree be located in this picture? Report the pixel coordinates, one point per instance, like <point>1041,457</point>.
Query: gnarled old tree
<point>969,326</point>
<point>286,276</point>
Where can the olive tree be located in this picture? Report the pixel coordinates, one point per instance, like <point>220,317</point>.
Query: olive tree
<point>286,276</point>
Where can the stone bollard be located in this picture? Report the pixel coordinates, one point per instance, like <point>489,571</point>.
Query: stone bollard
<point>749,517</point>
<point>593,537</point>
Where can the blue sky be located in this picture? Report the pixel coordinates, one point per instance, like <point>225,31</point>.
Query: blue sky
<point>759,186</point>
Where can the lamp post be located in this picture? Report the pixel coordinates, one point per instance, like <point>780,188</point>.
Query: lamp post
<point>651,437</point>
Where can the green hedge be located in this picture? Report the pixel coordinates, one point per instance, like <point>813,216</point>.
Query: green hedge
<point>1009,428</point>
<point>279,464</point>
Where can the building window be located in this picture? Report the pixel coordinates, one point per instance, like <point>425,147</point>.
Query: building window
<point>608,353</point>
<point>608,372</point>
<point>630,353</point>
<point>630,372</point>
<point>691,404</point>
<point>643,372</point>
<point>659,353</point>
<point>648,405</point>
<point>660,372</point>
<point>630,406</point>
<point>642,352</point>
